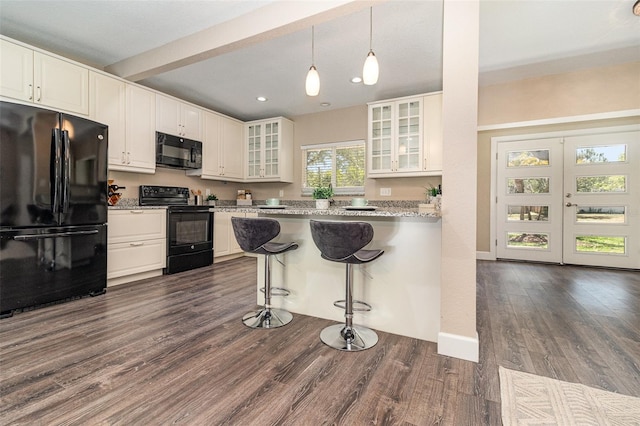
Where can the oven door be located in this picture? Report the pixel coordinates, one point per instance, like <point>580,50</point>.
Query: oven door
<point>189,231</point>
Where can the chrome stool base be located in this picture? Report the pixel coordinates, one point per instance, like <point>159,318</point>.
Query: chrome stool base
<point>338,337</point>
<point>267,318</point>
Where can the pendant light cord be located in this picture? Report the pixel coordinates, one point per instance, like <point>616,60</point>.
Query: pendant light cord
<point>313,59</point>
<point>370,28</point>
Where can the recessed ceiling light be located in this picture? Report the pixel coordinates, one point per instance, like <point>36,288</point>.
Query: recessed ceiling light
<point>356,80</point>
<point>261,99</point>
<point>325,104</point>
<point>636,8</point>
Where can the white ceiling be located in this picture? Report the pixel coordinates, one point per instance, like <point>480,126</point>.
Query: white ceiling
<point>518,39</point>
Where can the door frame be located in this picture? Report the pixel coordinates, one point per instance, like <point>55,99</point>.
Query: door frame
<point>525,136</point>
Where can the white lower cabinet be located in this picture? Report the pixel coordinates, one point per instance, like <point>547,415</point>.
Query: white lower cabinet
<point>136,244</point>
<point>224,240</point>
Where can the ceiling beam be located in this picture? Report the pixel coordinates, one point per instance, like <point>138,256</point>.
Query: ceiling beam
<point>266,23</point>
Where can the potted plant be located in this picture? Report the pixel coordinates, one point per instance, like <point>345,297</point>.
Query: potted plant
<point>211,199</point>
<point>322,194</point>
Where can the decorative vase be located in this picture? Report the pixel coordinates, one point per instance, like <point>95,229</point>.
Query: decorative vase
<point>322,204</point>
<point>212,203</point>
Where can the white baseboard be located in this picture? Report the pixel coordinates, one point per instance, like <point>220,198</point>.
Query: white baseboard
<point>457,346</point>
<point>485,255</point>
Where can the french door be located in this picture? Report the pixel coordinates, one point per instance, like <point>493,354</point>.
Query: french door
<point>570,200</point>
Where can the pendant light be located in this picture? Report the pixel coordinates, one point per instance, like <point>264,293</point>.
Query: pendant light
<point>370,69</point>
<point>312,84</point>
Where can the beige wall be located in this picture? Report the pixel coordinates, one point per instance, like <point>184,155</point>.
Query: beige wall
<point>598,90</point>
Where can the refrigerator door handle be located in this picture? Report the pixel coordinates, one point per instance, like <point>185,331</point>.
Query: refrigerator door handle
<point>30,237</point>
<point>55,170</point>
<point>66,171</point>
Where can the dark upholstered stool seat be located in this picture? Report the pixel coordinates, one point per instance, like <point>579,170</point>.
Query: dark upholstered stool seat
<point>254,235</point>
<point>343,242</point>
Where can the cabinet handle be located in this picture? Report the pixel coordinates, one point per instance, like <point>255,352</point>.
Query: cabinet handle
<point>31,92</point>
<point>136,211</point>
<point>39,93</point>
<point>124,158</point>
<point>128,157</point>
<point>136,244</point>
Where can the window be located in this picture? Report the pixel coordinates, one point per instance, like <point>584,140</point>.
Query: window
<point>341,164</point>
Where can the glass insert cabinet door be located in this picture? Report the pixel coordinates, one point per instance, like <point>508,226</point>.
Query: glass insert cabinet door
<point>254,150</point>
<point>381,137</point>
<point>396,136</point>
<point>271,149</point>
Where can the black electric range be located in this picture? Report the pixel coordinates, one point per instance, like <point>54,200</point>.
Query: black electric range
<point>189,227</point>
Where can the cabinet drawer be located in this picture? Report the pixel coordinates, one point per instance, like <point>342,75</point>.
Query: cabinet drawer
<point>135,257</point>
<point>136,225</point>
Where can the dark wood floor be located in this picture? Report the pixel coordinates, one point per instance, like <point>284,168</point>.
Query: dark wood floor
<point>173,350</point>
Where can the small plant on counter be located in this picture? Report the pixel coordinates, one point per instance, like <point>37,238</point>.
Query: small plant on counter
<point>322,192</point>
<point>211,199</point>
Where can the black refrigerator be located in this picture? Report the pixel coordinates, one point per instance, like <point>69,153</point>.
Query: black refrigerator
<point>53,207</point>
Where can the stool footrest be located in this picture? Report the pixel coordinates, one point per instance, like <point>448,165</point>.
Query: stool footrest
<point>277,291</point>
<point>358,305</point>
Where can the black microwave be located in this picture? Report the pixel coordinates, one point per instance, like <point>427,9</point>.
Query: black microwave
<point>177,152</point>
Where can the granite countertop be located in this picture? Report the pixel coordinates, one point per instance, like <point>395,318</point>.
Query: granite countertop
<point>332,211</point>
<point>306,208</point>
<point>135,207</point>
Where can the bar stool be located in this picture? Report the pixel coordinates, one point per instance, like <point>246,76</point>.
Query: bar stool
<point>254,236</point>
<point>343,242</point>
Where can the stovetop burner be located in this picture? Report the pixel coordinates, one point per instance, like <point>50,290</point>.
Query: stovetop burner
<point>174,197</point>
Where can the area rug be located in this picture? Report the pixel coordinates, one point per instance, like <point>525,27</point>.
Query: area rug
<point>528,399</point>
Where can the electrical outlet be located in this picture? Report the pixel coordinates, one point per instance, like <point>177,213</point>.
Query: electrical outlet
<point>207,192</point>
<point>281,193</point>
<point>385,192</point>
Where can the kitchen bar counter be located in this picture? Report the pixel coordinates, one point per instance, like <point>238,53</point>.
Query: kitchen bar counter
<point>333,211</point>
<point>403,285</point>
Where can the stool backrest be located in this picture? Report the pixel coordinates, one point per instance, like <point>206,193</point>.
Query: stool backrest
<point>253,232</point>
<point>339,240</point>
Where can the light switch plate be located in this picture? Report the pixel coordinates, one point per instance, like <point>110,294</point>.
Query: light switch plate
<point>385,192</point>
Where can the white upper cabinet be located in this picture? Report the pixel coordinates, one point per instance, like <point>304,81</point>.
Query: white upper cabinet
<point>32,76</point>
<point>221,148</point>
<point>405,137</point>
<point>178,118</point>
<point>140,131</point>
<point>232,154</point>
<point>129,111</point>
<point>107,105</point>
<point>269,150</point>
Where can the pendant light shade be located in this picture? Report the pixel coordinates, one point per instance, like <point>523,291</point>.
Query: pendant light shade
<point>312,84</point>
<point>370,70</point>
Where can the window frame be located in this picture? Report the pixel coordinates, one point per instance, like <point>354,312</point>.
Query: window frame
<point>334,146</point>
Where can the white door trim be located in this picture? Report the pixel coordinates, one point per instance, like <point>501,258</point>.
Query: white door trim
<point>491,254</point>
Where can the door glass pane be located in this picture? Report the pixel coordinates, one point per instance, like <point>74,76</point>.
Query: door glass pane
<point>527,240</point>
<point>600,214</point>
<point>600,244</point>
<point>608,183</point>
<point>528,158</point>
<point>539,185</point>
<point>601,154</point>
<point>526,213</point>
